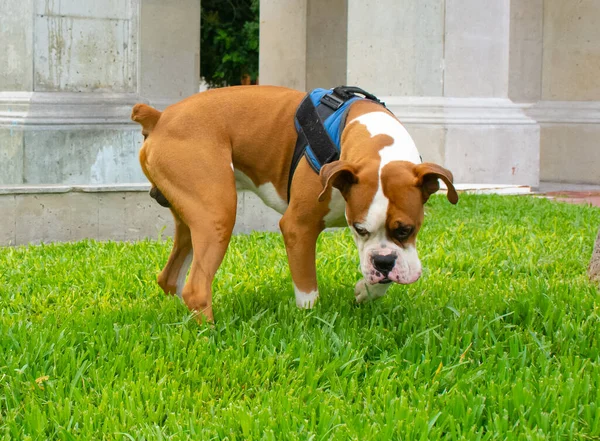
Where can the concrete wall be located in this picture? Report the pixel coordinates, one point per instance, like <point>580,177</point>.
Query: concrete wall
<point>303,43</point>
<point>500,92</point>
<point>571,52</point>
<point>169,50</point>
<point>326,43</point>
<point>35,214</point>
<point>84,47</point>
<point>16,36</point>
<point>497,91</point>
<point>283,43</point>
<point>441,65</point>
<point>395,47</point>
<point>75,68</point>
<point>570,92</point>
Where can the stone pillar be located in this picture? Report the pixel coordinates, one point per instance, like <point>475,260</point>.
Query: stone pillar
<point>326,43</point>
<point>74,71</point>
<point>395,47</point>
<point>169,52</point>
<point>303,43</point>
<point>476,48</point>
<point>16,31</point>
<point>494,141</point>
<point>443,67</point>
<point>282,56</point>
<point>526,48</point>
<point>569,99</point>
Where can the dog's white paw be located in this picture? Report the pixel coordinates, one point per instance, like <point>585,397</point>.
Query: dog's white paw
<point>305,300</point>
<point>363,292</point>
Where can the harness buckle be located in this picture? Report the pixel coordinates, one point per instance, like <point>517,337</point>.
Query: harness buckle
<point>332,101</point>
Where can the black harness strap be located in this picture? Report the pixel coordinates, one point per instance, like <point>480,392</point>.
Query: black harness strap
<point>312,131</point>
<point>311,125</point>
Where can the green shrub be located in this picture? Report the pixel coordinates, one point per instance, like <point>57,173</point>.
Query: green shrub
<point>229,41</point>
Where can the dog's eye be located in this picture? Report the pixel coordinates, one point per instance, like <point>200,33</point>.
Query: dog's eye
<point>403,232</point>
<point>360,230</point>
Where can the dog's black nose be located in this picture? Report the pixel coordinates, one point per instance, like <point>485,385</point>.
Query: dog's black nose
<point>384,264</point>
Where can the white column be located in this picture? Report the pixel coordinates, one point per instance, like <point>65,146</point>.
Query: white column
<point>326,43</point>
<point>282,57</point>
<point>443,67</point>
<point>16,32</point>
<point>16,76</point>
<point>476,48</point>
<point>395,47</point>
<point>569,110</point>
<point>70,74</point>
<point>526,48</point>
<point>169,50</point>
<point>303,43</point>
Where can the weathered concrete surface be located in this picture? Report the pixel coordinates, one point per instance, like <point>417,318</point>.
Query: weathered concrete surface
<point>326,43</point>
<point>79,53</point>
<point>16,64</point>
<point>476,48</point>
<point>570,153</point>
<point>82,156</point>
<point>51,215</point>
<point>396,47</point>
<point>526,50</point>
<point>571,65</point>
<point>131,216</point>
<point>11,155</point>
<point>8,220</point>
<point>282,56</point>
<point>430,140</point>
<point>70,71</point>
<point>169,50</point>
<point>488,154</point>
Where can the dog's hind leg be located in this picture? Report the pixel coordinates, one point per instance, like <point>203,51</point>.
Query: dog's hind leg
<point>205,205</point>
<point>196,178</point>
<point>172,277</point>
<point>211,219</point>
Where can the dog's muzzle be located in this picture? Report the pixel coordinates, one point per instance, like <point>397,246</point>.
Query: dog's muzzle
<point>384,264</point>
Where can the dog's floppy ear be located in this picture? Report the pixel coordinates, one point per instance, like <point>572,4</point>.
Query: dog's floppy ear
<point>338,174</point>
<point>427,178</point>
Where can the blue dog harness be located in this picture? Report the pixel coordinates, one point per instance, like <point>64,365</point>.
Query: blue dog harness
<point>320,120</point>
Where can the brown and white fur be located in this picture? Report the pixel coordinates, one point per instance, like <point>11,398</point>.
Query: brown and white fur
<point>199,151</point>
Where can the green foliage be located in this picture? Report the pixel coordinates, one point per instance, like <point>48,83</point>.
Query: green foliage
<point>229,46</point>
<point>498,340</point>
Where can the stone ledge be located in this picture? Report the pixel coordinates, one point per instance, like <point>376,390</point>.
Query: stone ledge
<point>565,112</point>
<point>51,213</point>
<point>66,108</point>
<point>145,187</point>
<point>62,213</point>
<point>489,189</point>
<point>53,189</point>
<point>462,111</point>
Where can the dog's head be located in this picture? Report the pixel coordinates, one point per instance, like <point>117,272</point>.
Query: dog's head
<point>384,209</point>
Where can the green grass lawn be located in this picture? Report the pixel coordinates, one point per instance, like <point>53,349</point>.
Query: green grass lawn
<point>500,339</point>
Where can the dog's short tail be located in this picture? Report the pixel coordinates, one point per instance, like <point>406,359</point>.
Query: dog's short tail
<point>146,116</point>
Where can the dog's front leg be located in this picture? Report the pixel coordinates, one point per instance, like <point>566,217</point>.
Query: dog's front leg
<point>363,292</point>
<point>300,243</point>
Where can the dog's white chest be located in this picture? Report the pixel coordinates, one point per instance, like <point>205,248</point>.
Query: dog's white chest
<point>266,192</point>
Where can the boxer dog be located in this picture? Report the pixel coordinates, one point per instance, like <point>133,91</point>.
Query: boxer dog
<point>200,151</point>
